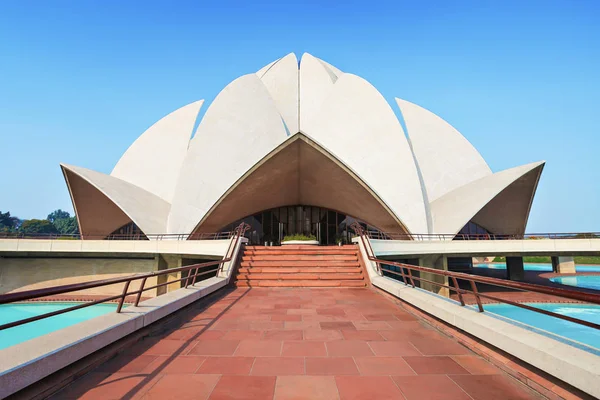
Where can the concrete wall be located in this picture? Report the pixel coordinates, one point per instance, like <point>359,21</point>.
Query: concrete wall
<point>27,273</point>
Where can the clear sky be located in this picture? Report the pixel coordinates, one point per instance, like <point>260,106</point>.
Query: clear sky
<point>81,80</point>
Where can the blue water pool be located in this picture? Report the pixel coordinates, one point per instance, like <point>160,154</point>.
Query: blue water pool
<point>586,281</point>
<point>18,334</point>
<point>566,329</point>
<point>539,267</point>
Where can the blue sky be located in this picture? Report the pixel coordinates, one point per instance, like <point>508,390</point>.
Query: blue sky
<point>81,80</point>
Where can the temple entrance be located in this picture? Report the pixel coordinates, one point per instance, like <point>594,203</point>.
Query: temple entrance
<point>271,226</point>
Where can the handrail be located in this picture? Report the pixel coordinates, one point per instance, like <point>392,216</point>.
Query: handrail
<point>194,272</point>
<point>124,236</point>
<point>408,276</point>
<point>379,235</point>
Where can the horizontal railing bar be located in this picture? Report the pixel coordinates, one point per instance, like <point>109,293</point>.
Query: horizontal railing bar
<point>500,300</point>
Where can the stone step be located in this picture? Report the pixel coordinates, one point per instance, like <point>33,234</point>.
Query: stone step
<point>309,263</point>
<point>300,276</point>
<point>301,283</point>
<point>294,257</point>
<point>349,252</point>
<point>293,270</point>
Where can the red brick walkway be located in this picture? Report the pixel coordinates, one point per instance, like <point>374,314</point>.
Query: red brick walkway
<point>297,344</point>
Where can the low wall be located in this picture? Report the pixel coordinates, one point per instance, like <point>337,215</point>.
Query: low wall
<point>27,273</point>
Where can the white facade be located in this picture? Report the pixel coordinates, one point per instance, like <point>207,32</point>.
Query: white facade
<point>429,179</point>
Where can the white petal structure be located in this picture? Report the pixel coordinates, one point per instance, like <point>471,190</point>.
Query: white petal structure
<point>154,160</point>
<point>300,146</point>
<point>104,203</point>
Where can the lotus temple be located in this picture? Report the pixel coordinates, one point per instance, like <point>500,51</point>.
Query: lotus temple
<point>300,238</point>
<point>301,147</point>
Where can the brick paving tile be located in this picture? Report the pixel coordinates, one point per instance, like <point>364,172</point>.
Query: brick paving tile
<point>244,387</point>
<point>367,387</point>
<point>383,366</point>
<point>343,348</point>
<point>226,365</point>
<point>303,348</point>
<point>393,348</point>
<point>296,344</point>
<point>492,387</point>
<point>476,365</point>
<point>433,365</point>
<point>306,387</point>
<point>278,366</point>
<point>330,366</point>
<point>182,387</point>
<point>174,365</point>
<point>436,387</point>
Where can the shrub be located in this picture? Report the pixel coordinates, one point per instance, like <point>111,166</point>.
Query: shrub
<point>299,236</point>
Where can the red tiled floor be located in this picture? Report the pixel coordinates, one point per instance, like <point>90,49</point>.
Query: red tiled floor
<point>259,348</point>
<point>434,365</point>
<point>303,348</point>
<point>437,387</point>
<point>215,347</point>
<point>182,387</point>
<point>306,387</point>
<point>278,366</point>
<point>244,387</point>
<point>392,348</point>
<point>383,366</point>
<point>226,365</point>
<point>296,343</point>
<point>367,387</point>
<point>350,348</point>
<point>492,387</point>
<point>330,366</point>
<point>175,365</point>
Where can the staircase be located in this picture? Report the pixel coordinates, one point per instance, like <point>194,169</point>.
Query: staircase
<point>300,266</point>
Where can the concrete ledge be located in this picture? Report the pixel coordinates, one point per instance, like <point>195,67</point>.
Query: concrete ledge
<point>570,364</point>
<point>28,362</point>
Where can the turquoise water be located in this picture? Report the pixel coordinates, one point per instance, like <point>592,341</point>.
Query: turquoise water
<point>586,281</point>
<point>18,334</point>
<point>539,267</point>
<point>566,329</point>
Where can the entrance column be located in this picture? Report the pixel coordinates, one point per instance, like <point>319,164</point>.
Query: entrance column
<point>563,265</point>
<point>436,261</point>
<point>515,271</point>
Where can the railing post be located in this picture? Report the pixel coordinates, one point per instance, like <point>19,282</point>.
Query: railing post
<point>191,277</point>
<point>455,282</point>
<point>139,296</point>
<point>476,293</point>
<point>122,299</point>
<point>412,281</point>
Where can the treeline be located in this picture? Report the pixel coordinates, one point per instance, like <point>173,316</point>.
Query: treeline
<point>57,222</point>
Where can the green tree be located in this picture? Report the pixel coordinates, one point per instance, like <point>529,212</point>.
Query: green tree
<point>63,222</point>
<point>58,214</point>
<point>38,226</point>
<point>8,223</point>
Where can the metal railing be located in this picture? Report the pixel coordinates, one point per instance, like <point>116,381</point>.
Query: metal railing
<point>378,235</point>
<point>194,271</point>
<point>126,236</point>
<point>409,278</point>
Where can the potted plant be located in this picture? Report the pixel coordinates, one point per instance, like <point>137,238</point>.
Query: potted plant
<point>300,239</point>
<point>340,239</point>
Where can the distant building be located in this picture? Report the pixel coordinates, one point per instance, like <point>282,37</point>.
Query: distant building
<point>301,147</point>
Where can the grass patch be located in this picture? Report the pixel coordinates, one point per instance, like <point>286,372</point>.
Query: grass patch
<point>299,237</point>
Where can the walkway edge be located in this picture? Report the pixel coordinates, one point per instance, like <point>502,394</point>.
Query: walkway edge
<point>574,366</point>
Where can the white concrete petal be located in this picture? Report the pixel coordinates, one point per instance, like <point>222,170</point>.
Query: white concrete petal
<point>281,80</point>
<point>240,127</point>
<point>316,84</point>
<point>154,160</point>
<point>445,157</point>
<point>358,126</point>
<point>452,211</point>
<point>145,209</point>
<point>333,70</point>
<point>264,69</point>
